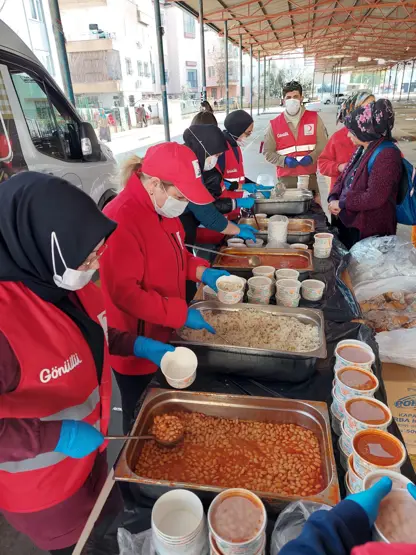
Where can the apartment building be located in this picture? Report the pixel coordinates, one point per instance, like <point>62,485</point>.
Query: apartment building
<point>112,52</point>
<point>31,20</point>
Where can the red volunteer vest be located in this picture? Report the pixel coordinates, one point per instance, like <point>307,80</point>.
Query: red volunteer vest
<point>233,170</point>
<point>287,145</point>
<point>58,382</point>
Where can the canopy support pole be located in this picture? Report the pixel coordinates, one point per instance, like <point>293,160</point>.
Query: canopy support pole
<point>202,39</point>
<point>410,82</point>
<point>227,90</point>
<point>258,84</point>
<point>251,80</point>
<point>159,36</point>
<point>241,72</point>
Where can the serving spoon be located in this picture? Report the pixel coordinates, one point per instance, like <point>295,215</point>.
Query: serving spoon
<point>253,259</point>
<point>171,443</point>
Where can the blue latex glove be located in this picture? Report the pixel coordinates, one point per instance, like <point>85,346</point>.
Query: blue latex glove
<point>78,439</point>
<point>306,161</point>
<point>262,188</point>
<point>210,276</point>
<point>144,347</point>
<point>370,499</point>
<point>195,321</point>
<point>266,194</point>
<point>227,184</point>
<point>291,162</point>
<point>245,203</point>
<point>249,187</point>
<point>411,488</point>
<point>247,232</point>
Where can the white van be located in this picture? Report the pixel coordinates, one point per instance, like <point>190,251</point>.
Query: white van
<point>41,131</point>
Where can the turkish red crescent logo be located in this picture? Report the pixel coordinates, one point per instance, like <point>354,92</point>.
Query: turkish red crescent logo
<point>308,128</point>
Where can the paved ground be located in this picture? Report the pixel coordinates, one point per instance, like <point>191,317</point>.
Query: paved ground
<point>137,141</point>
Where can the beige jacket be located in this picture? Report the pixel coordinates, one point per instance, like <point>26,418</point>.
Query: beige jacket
<point>270,147</point>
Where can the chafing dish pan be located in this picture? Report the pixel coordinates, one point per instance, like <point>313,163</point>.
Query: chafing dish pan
<point>310,414</point>
<point>265,364</point>
<point>293,202</point>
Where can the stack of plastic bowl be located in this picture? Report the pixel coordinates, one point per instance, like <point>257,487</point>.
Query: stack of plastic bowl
<point>286,273</point>
<point>257,244</point>
<point>236,243</point>
<point>260,289</point>
<point>179,367</point>
<point>208,294</point>
<point>237,521</point>
<point>322,246</point>
<point>287,292</point>
<point>313,289</point>
<point>353,482</point>
<point>277,229</point>
<point>230,289</point>
<point>299,247</point>
<point>267,271</point>
<point>353,352</point>
<point>303,182</point>
<point>178,524</point>
<point>376,450</point>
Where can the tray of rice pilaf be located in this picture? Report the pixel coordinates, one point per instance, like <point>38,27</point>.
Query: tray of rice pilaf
<point>272,342</point>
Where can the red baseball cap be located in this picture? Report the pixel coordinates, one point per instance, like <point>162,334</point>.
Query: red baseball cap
<point>177,164</point>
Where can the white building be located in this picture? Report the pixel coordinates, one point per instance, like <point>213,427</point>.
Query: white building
<point>31,20</point>
<point>112,51</point>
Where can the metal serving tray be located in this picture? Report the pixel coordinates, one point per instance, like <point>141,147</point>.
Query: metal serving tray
<point>258,363</point>
<point>310,414</point>
<point>246,271</point>
<point>292,202</point>
<point>294,230</point>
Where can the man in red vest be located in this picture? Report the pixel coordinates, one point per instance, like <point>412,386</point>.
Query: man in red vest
<point>294,140</point>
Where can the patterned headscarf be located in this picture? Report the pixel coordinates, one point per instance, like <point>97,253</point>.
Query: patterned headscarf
<point>352,103</point>
<point>373,121</point>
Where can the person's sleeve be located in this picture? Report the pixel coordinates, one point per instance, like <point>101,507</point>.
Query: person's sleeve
<point>232,194</point>
<point>321,140</point>
<point>194,262</point>
<point>327,161</point>
<point>382,184</point>
<point>209,216</point>
<point>121,343</point>
<point>336,189</point>
<point>213,182</point>
<point>328,532</point>
<point>225,205</point>
<point>21,438</point>
<point>270,149</point>
<point>122,271</point>
<point>247,180</point>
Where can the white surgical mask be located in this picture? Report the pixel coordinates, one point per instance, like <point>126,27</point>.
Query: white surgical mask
<point>292,106</point>
<point>71,279</point>
<point>172,208</point>
<point>210,163</point>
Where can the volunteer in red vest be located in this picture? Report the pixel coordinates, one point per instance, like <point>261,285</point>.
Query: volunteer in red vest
<point>145,268</point>
<point>239,126</point>
<point>294,140</point>
<point>55,378</point>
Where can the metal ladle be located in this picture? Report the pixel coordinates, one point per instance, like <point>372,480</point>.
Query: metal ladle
<point>253,259</point>
<point>172,443</point>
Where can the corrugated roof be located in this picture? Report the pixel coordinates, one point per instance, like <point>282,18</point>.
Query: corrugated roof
<point>328,30</point>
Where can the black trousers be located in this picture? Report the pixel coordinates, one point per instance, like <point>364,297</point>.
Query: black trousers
<point>131,389</point>
<point>65,551</point>
<point>347,235</point>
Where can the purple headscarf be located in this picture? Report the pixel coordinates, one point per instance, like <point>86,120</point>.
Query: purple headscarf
<point>372,122</point>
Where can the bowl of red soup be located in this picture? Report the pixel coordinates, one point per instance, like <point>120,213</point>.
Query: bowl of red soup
<point>377,449</point>
<point>353,352</point>
<point>353,381</point>
<point>363,413</point>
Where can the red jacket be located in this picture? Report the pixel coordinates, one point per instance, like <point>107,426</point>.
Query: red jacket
<point>58,381</point>
<point>144,272</point>
<point>338,150</point>
<point>385,549</point>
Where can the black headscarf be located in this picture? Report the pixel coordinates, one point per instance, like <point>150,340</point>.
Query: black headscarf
<point>237,122</point>
<point>32,206</point>
<point>204,141</point>
<point>372,122</point>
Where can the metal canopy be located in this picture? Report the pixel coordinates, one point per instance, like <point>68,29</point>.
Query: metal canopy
<point>330,31</point>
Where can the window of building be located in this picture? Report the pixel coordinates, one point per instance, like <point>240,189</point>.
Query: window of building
<point>192,78</point>
<point>146,69</point>
<point>36,10</point>
<point>52,127</point>
<point>211,71</point>
<point>188,25</point>
<point>140,68</point>
<point>129,66</point>
<point>214,92</point>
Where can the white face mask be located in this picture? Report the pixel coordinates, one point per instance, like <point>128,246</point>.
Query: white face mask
<point>72,280</point>
<point>292,106</point>
<point>172,207</point>
<point>210,163</point>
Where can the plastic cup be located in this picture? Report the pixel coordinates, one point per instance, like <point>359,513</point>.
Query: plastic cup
<point>178,523</point>
<point>261,216</point>
<point>299,246</point>
<point>363,466</point>
<point>303,182</point>
<point>354,425</point>
<point>230,297</point>
<point>323,240</point>
<point>343,456</point>
<point>321,253</point>
<point>346,441</point>
<point>267,271</point>
<point>258,300</point>
<point>336,423</point>
<point>355,481</point>
<point>277,229</point>
<point>399,481</point>
<point>312,289</point>
<point>254,545</point>
<point>208,294</point>
<point>235,241</point>
<point>347,485</point>
<point>340,361</point>
<point>290,302</point>
<point>260,283</point>
<point>236,245</point>
<point>345,391</point>
<point>179,367</point>
<point>257,244</point>
<point>337,407</point>
<point>288,288</point>
<point>286,273</point>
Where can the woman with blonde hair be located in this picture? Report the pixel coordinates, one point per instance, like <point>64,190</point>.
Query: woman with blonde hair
<point>146,265</point>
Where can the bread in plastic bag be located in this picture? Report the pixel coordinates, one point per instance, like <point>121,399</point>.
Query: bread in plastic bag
<point>290,522</point>
<point>135,544</point>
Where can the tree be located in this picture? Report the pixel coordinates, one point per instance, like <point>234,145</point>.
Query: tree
<point>219,68</point>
